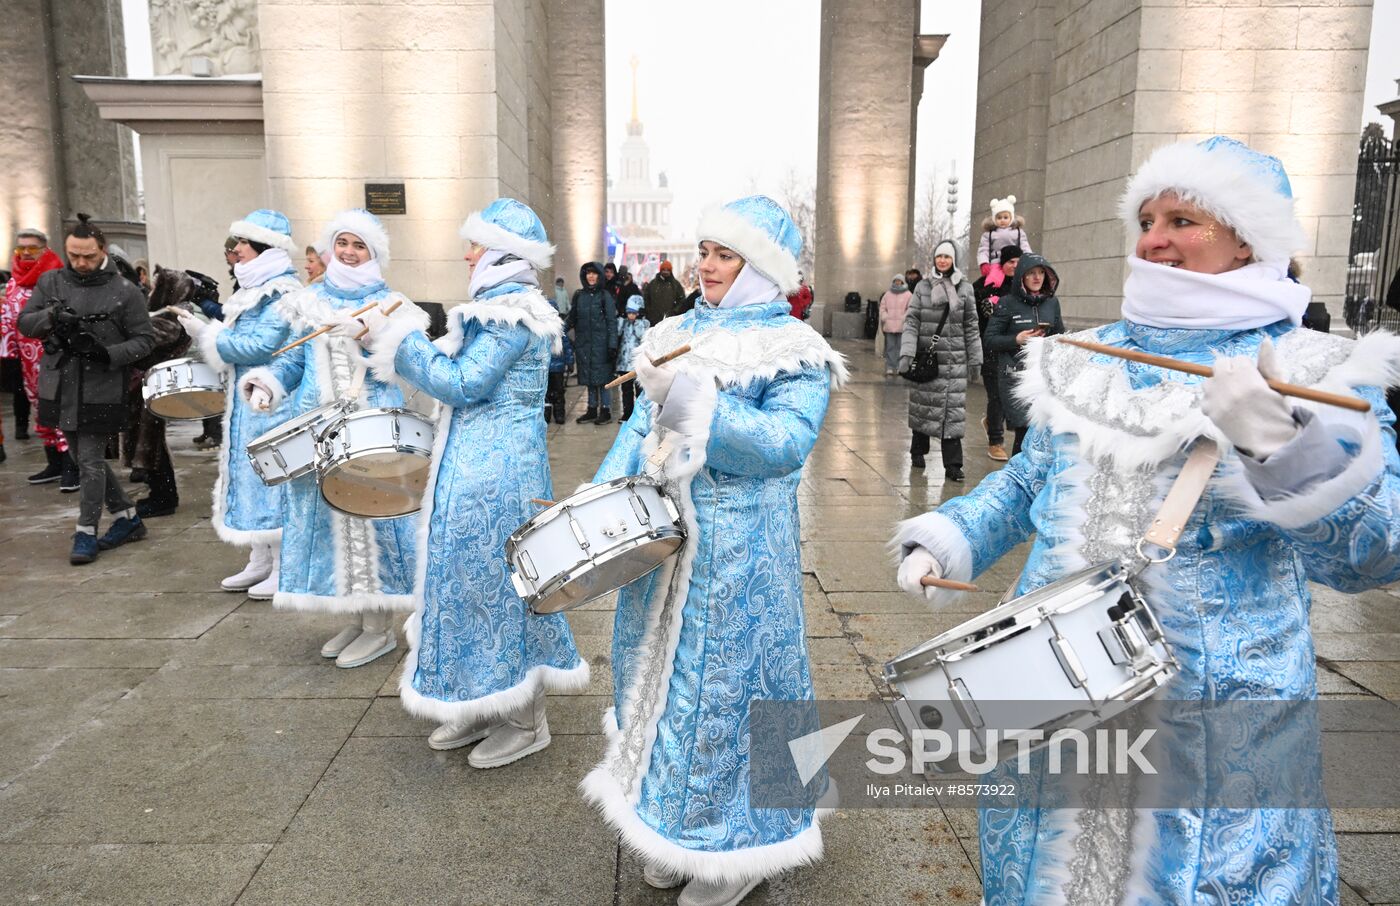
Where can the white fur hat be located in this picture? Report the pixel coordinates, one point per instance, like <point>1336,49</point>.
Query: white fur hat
<point>510,226</point>
<point>1244,189</point>
<point>1007,204</point>
<point>363,224</point>
<point>265,226</point>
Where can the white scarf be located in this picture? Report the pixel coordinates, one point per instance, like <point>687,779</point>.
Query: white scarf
<point>749,288</point>
<point>490,272</point>
<point>270,263</point>
<point>352,278</point>
<point>1252,296</point>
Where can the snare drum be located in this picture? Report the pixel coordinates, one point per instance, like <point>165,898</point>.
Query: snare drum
<point>289,450</point>
<point>374,463</point>
<point>184,389</point>
<point>1070,655</point>
<point>593,542</point>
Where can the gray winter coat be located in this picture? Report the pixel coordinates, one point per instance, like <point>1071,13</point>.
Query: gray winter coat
<point>939,408</point>
<point>593,319</point>
<point>78,393</point>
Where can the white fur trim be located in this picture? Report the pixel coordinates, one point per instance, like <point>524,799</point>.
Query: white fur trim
<point>306,309</point>
<point>264,374</point>
<point>1224,185</point>
<point>208,346</point>
<point>941,537</point>
<point>729,866</point>
<point>342,603</point>
<point>529,308</point>
<point>732,231</point>
<point>1308,506</point>
<point>362,224</point>
<point>493,706</point>
<point>475,229</point>
<point>248,297</point>
<point>245,230</point>
<point>240,537</point>
<point>741,357</point>
<point>1373,361</point>
<point>384,344</point>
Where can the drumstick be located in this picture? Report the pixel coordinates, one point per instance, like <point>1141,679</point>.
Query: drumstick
<point>541,501</point>
<point>387,312</point>
<point>1305,393</point>
<point>632,375</point>
<point>953,584</point>
<point>327,329</point>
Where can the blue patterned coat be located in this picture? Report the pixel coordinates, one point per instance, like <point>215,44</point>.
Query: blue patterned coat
<point>477,653</point>
<point>1105,441</point>
<point>721,623</point>
<point>246,511</point>
<point>331,561</point>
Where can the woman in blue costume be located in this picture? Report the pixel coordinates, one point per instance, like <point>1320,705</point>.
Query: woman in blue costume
<point>1302,493</point>
<point>726,428</point>
<point>246,511</point>
<point>331,561</point>
<point>480,663</point>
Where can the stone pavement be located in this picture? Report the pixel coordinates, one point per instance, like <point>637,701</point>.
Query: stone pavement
<point>162,741</point>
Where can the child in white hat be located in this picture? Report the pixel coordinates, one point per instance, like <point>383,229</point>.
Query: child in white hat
<point>1002,229</point>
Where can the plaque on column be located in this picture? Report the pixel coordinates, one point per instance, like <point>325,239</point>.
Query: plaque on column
<point>385,198</point>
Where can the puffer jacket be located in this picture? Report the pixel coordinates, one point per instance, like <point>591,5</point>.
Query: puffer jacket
<point>1016,311</point>
<point>939,407</point>
<point>593,319</point>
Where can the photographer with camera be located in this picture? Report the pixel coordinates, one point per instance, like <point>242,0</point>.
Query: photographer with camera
<point>94,324</point>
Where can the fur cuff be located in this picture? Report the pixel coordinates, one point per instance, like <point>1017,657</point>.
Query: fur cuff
<point>341,603</point>
<point>264,374</point>
<point>385,342</point>
<point>208,345</point>
<point>941,537</point>
<point>476,229</point>
<point>495,705</point>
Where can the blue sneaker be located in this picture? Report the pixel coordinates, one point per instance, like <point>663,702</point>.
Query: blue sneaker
<point>84,548</point>
<point>122,531</point>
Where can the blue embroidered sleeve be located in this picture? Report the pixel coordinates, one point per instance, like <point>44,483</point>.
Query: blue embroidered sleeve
<point>995,516</point>
<point>468,376</point>
<point>772,438</point>
<point>253,340</point>
<point>625,457</point>
<point>289,367</point>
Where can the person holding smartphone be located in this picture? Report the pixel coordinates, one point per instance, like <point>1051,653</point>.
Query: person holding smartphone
<point>1028,309</point>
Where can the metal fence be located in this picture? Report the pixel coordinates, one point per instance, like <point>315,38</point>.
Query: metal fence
<point>1373,266</point>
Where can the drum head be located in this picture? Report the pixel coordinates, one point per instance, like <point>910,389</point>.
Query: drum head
<point>377,485</point>
<point>188,405</point>
<point>609,574</point>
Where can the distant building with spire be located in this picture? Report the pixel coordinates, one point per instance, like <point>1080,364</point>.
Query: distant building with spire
<point>639,210</point>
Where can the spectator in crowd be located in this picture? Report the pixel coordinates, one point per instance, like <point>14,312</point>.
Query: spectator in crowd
<point>315,264</point>
<point>593,320</point>
<point>94,325</point>
<point>688,302</point>
<point>943,312</point>
<point>894,305</point>
<point>663,295</point>
<point>561,297</point>
<point>143,273</point>
<point>801,298</point>
<point>19,355</point>
<point>989,290</point>
<point>610,281</point>
<point>560,364</point>
<point>630,328</point>
<point>1028,308</point>
<point>1005,227</point>
<point>145,435</point>
<point>625,287</point>
<point>912,278</point>
<point>231,258</point>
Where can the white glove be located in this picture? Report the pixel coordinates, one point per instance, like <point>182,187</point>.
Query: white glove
<point>368,324</point>
<point>655,380</point>
<point>917,564</point>
<point>257,394</point>
<point>192,325</point>
<point>1253,416</point>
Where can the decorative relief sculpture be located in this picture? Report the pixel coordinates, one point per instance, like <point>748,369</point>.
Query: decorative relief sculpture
<point>186,33</point>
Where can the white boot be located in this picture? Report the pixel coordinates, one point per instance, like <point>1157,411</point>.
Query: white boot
<point>337,642</point>
<point>375,640</point>
<point>258,568</point>
<point>265,589</point>
<point>708,893</point>
<point>662,878</point>
<point>522,733</point>
<point>455,734</point>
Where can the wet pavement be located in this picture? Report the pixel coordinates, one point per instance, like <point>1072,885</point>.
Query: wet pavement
<point>162,741</point>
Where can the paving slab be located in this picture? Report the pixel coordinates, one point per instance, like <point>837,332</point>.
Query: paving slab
<point>1370,863</point>
<point>124,615</point>
<point>108,873</point>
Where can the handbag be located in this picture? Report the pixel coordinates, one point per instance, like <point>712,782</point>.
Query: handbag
<point>924,368</point>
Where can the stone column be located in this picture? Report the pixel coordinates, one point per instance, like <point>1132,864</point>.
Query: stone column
<point>435,97</point>
<point>578,89</point>
<point>31,188</point>
<point>863,150</point>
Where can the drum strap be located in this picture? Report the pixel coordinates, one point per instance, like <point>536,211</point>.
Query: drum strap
<point>1181,500</point>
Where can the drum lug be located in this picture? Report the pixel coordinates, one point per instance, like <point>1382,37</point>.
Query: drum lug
<point>277,455</point>
<point>527,566</point>
<point>640,508</point>
<point>577,529</point>
<point>1069,661</point>
<point>257,467</point>
<point>966,705</point>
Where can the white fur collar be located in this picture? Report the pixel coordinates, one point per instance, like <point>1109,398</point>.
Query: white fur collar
<point>311,307</point>
<point>1070,393</point>
<point>529,308</point>
<point>751,353</point>
<point>248,297</point>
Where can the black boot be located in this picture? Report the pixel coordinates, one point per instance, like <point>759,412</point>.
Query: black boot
<point>604,416</point>
<point>153,508</point>
<point>2,453</point>
<point>589,414</point>
<point>70,480</point>
<point>52,471</point>
<point>559,415</point>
